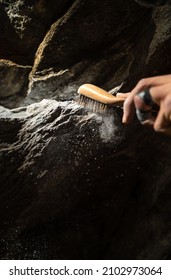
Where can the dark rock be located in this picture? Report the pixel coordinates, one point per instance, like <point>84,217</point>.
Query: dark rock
<point>76,185</point>
<point>161,42</point>
<point>24,24</point>
<point>43,149</point>
<point>93,42</point>
<point>132,38</point>
<point>13,83</point>
<point>125,43</point>
<point>51,142</point>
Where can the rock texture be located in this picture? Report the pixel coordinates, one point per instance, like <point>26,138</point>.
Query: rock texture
<point>14,82</point>
<point>75,184</point>
<point>24,25</point>
<point>78,185</point>
<point>73,42</point>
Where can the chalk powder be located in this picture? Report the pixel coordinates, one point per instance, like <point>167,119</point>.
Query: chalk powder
<point>109,128</point>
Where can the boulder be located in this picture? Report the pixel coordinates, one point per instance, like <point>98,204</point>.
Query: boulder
<point>92,43</point>
<point>23,25</point>
<point>126,43</point>
<point>79,185</point>
<point>13,83</point>
<point>75,184</point>
<point>132,38</point>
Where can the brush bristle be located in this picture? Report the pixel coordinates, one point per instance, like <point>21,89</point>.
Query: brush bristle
<point>93,105</point>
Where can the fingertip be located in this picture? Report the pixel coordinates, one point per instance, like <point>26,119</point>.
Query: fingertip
<point>129,110</point>
<point>125,115</point>
<point>119,94</point>
<point>124,95</point>
<point>127,118</point>
<point>160,125</point>
<point>123,120</point>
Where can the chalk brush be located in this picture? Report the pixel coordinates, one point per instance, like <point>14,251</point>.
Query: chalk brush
<point>97,99</point>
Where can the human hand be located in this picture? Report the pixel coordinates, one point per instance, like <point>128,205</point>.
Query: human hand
<point>160,92</point>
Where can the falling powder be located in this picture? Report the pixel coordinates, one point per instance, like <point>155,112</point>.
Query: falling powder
<point>109,127</point>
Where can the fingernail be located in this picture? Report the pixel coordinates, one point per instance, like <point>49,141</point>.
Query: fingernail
<point>124,119</point>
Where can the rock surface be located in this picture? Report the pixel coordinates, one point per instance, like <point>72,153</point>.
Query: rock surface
<point>24,25</point>
<point>14,83</point>
<point>75,184</point>
<point>62,43</point>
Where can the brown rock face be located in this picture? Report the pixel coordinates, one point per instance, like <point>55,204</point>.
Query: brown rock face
<point>76,184</point>
<point>14,82</point>
<point>68,43</point>
<point>24,25</point>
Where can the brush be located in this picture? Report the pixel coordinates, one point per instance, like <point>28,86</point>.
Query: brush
<point>100,101</point>
<point>97,99</point>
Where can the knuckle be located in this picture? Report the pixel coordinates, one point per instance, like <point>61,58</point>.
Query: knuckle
<point>156,127</point>
<point>129,102</point>
<point>142,82</point>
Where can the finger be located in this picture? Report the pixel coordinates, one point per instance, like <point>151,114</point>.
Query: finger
<point>146,108</point>
<point>124,95</point>
<point>144,112</point>
<point>161,121</point>
<point>129,110</point>
<point>160,93</point>
<point>147,83</point>
<point>151,82</point>
<point>141,85</point>
<point>129,107</point>
<point>149,122</point>
<point>167,105</point>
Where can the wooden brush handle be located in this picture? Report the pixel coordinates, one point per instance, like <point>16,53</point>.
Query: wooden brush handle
<point>98,94</point>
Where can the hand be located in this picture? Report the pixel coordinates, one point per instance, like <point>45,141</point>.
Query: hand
<point>160,91</point>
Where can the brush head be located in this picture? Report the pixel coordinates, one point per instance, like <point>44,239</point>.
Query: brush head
<point>97,99</point>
